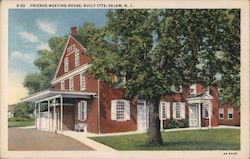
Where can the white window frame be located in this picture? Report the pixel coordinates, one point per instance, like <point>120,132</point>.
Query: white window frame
<point>230,112</point>
<point>62,85</point>
<point>82,81</point>
<point>116,109</point>
<point>71,84</point>
<point>193,87</point>
<point>66,64</point>
<point>77,58</point>
<point>164,111</point>
<point>204,109</point>
<point>182,110</point>
<point>221,111</point>
<point>82,110</point>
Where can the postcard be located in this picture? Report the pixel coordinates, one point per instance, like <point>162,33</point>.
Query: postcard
<point>124,79</point>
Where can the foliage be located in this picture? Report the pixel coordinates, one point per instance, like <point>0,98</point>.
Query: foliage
<point>20,122</point>
<point>160,49</point>
<point>172,124</point>
<point>23,110</point>
<point>213,139</point>
<point>19,119</point>
<point>46,64</point>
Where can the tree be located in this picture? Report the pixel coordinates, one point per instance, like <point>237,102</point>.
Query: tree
<point>23,110</point>
<point>161,49</point>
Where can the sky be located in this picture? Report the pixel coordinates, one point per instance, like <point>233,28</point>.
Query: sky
<point>29,31</point>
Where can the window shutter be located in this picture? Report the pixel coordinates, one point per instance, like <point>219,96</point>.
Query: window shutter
<point>168,110</point>
<point>174,110</point>
<point>79,110</point>
<point>127,110</point>
<point>160,108</point>
<point>85,110</point>
<point>113,109</point>
<point>183,110</point>
<point>203,111</point>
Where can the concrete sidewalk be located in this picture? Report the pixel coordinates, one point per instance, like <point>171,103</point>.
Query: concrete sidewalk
<point>83,138</point>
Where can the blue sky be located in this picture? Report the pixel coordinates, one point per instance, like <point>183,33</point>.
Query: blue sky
<point>29,31</point>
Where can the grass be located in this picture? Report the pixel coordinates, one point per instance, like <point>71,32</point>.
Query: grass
<point>213,139</point>
<point>20,122</point>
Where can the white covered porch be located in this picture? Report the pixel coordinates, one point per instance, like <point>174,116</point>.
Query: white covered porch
<point>200,107</point>
<point>54,102</point>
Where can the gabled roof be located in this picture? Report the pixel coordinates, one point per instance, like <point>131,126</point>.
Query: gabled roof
<point>200,98</point>
<point>78,39</point>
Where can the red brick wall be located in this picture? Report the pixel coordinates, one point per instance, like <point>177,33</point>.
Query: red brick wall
<point>199,88</point>
<point>68,118</point>
<point>236,115</point>
<point>107,125</point>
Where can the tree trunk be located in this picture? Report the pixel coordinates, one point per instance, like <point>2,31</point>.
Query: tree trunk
<point>154,134</point>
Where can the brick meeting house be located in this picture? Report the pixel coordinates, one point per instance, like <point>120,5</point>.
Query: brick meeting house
<point>76,98</point>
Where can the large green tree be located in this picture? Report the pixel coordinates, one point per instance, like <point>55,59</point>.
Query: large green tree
<point>158,50</point>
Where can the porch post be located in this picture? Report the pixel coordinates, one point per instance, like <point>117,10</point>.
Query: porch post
<point>199,115</point>
<point>54,120</point>
<point>35,115</point>
<point>39,109</point>
<point>161,119</point>
<point>209,115</point>
<point>61,104</point>
<point>49,113</point>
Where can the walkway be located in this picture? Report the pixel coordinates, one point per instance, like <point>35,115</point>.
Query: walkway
<point>34,140</point>
<point>83,138</point>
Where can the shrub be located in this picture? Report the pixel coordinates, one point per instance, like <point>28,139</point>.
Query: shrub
<point>13,119</point>
<point>172,124</point>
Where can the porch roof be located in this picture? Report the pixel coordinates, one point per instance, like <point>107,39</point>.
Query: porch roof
<point>49,94</point>
<point>200,98</point>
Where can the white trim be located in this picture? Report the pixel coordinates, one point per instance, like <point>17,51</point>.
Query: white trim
<point>50,94</point>
<point>221,111</point>
<point>82,108</point>
<point>66,65</point>
<point>74,72</point>
<point>71,83</point>
<point>64,51</point>
<point>230,108</point>
<point>82,85</point>
<point>62,85</point>
<point>193,86</point>
<point>77,58</point>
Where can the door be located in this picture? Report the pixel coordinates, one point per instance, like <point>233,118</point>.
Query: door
<point>142,116</point>
<point>193,115</point>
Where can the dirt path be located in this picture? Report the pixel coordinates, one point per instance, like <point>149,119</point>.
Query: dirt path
<point>34,140</point>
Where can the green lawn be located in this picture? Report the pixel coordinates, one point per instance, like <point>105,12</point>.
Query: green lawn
<point>213,139</point>
<point>20,122</point>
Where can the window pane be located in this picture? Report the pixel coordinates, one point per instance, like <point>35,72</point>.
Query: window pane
<point>120,110</point>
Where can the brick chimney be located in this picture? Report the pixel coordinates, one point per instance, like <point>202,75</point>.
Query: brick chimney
<point>73,31</point>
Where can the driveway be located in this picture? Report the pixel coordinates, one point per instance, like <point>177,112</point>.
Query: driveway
<point>34,140</point>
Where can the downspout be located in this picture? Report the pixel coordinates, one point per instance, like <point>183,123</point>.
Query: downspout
<point>98,108</point>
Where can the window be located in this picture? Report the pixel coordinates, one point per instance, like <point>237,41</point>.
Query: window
<point>164,112</point>
<point>82,82</point>
<point>192,89</point>
<point>178,110</point>
<point>71,84</point>
<point>120,110</point>
<point>205,110</point>
<point>71,48</point>
<point>221,113</point>
<point>82,110</point>
<point>62,85</point>
<point>66,64</point>
<point>230,113</point>
<point>77,58</point>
